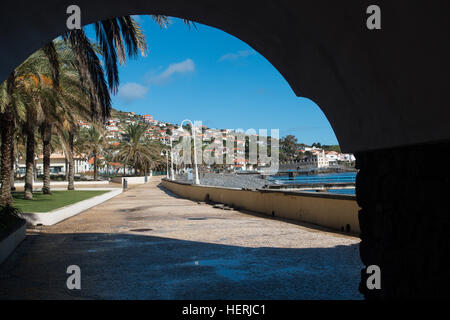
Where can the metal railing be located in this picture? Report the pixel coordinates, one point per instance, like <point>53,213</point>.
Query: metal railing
<point>312,179</point>
<point>159,173</point>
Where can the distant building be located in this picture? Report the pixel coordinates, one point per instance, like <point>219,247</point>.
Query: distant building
<point>348,157</point>
<point>84,124</point>
<point>57,165</point>
<point>332,157</point>
<point>317,160</point>
<point>147,118</point>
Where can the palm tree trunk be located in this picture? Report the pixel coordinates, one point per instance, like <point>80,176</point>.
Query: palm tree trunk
<point>95,166</point>
<point>46,136</point>
<point>66,169</point>
<point>13,158</point>
<point>35,170</point>
<point>29,165</point>
<point>7,131</point>
<point>71,184</point>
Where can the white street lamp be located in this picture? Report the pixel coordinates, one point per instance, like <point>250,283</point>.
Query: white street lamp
<point>197,180</point>
<point>177,161</point>
<point>171,159</point>
<point>166,152</point>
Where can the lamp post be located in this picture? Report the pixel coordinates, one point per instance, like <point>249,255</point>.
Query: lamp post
<point>166,152</point>
<point>197,180</point>
<point>172,175</point>
<point>177,160</point>
<point>171,160</point>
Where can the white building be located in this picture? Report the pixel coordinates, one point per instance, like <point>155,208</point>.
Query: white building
<point>332,157</point>
<point>57,165</point>
<point>348,157</point>
<point>317,160</point>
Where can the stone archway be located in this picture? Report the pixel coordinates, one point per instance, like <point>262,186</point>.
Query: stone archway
<point>383,91</point>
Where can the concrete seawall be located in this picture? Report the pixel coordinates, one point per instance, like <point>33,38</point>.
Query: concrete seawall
<point>338,212</point>
<point>132,180</point>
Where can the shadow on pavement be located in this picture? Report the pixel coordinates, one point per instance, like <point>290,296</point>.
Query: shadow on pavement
<point>260,215</point>
<point>134,266</point>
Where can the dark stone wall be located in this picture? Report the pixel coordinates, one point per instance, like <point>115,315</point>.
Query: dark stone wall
<point>404,194</point>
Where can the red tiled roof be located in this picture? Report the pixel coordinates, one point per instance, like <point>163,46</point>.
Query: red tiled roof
<point>115,164</point>
<point>91,160</point>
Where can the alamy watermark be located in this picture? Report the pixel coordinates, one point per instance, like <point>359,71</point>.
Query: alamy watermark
<point>74,20</point>
<point>373,22</point>
<point>229,147</point>
<point>74,280</point>
<point>374,280</point>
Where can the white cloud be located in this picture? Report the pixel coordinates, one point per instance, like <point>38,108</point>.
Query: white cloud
<point>132,91</point>
<point>185,66</point>
<point>237,55</point>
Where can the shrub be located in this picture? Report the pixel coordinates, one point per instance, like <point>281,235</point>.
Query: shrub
<point>10,219</point>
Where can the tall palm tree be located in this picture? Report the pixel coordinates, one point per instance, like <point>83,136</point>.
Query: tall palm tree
<point>13,103</point>
<point>114,34</point>
<point>31,80</point>
<point>92,141</point>
<point>61,117</point>
<point>136,150</point>
<point>37,86</point>
<point>117,38</point>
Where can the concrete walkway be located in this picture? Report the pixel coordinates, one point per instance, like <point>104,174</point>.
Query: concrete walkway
<point>148,244</point>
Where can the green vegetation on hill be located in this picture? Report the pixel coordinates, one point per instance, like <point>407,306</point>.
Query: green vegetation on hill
<point>336,148</point>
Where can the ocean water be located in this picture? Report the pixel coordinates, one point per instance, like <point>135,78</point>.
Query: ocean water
<point>319,178</point>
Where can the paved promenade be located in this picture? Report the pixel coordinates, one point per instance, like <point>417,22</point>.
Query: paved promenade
<point>148,244</point>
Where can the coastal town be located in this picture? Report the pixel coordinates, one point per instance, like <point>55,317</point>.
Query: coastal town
<point>293,156</point>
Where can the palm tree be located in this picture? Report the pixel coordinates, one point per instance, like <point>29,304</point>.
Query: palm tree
<point>117,38</point>
<point>17,103</point>
<point>136,150</point>
<point>36,86</point>
<point>31,80</point>
<point>92,141</point>
<point>109,155</point>
<point>114,35</point>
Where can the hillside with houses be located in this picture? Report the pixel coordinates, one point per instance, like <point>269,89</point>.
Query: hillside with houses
<point>115,132</point>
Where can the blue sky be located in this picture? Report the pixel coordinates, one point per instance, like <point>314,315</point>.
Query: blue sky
<point>206,74</point>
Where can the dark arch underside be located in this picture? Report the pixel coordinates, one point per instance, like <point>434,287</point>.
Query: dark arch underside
<point>379,89</point>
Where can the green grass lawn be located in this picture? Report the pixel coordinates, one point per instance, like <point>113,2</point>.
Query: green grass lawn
<point>58,199</point>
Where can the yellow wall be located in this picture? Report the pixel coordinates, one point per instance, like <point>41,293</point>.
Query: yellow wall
<point>333,212</point>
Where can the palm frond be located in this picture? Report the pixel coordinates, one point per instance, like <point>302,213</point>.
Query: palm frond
<point>52,55</point>
<point>91,72</point>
